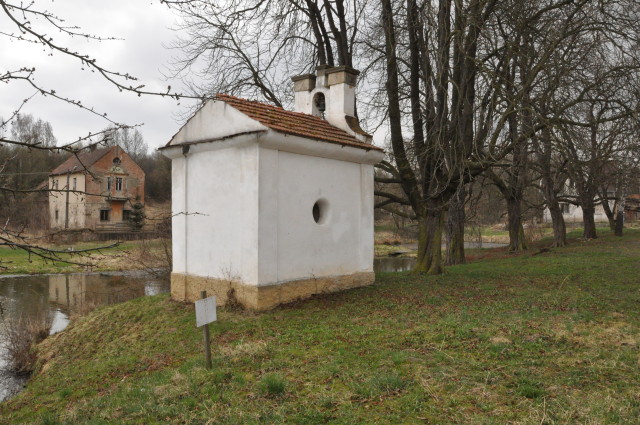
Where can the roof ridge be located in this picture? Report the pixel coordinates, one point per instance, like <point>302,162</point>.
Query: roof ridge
<point>82,159</point>
<point>302,114</point>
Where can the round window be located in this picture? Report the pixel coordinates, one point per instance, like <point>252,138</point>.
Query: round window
<point>320,211</point>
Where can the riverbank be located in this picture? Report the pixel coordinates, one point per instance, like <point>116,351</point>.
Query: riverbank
<point>534,338</point>
<point>129,255</point>
<point>155,253</point>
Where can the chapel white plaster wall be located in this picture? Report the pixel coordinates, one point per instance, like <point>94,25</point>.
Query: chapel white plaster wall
<point>215,194</point>
<point>290,184</point>
<point>178,212</point>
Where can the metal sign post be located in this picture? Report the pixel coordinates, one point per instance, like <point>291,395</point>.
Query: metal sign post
<point>205,314</point>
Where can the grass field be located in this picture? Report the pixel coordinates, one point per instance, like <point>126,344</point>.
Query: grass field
<point>536,338</point>
<point>121,257</point>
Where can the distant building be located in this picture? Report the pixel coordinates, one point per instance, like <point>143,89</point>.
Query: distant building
<point>632,207</point>
<point>95,190</point>
<point>573,213</point>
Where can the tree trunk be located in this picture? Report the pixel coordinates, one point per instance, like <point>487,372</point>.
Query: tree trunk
<point>455,229</point>
<point>516,231</point>
<point>558,224</point>
<point>612,223</point>
<point>620,218</point>
<point>430,240</point>
<point>611,215</point>
<point>557,220</point>
<point>588,218</point>
<point>619,223</point>
<point>544,147</point>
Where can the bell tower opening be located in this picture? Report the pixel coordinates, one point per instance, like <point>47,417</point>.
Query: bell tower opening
<point>319,105</point>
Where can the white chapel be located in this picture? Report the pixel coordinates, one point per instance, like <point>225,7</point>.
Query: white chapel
<point>270,206</point>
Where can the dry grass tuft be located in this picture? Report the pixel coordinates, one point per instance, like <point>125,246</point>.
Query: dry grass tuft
<point>20,337</point>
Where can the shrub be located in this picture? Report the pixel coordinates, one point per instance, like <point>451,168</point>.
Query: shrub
<point>21,335</point>
<point>137,215</point>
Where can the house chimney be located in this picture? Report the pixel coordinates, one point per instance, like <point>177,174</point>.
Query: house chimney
<point>331,95</point>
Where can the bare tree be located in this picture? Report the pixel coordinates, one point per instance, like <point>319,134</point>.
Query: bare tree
<point>251,48</point>
<point>29,24</point>
<point>551,167</point>
<point>22,169</point>
<point>129,139</point>
<point>591,152</point>
<point>468,75</point>
<point>466,86</point>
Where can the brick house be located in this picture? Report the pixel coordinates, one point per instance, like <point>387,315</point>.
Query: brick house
<point>632,207</point>
<point>95,190</point>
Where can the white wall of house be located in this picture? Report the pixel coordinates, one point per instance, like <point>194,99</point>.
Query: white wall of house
<point>58,201</point>
<point>573,213</point>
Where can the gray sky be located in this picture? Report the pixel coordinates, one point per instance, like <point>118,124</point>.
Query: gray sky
<point>144,28</point>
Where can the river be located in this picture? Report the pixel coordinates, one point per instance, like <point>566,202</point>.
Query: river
<point>58,296</point>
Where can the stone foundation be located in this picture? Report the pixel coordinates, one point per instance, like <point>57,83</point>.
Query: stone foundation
<point>187,288</point>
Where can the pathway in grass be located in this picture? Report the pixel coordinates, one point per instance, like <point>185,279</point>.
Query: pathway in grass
<point>530,339</point>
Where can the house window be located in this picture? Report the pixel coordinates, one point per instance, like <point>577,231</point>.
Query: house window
<point>56,215</point>
<point>126,215</point>
<point>104,215</point>
<point>116,160</point>
<point>118,183</point>
<point>565,208</point>
<point>109,183</point>
<point>75,185</point>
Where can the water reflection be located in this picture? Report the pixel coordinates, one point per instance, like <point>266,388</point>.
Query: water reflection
<point>79,292</point>
<point>58,296</point>
<point>403,264</point>
<point>393,264</point>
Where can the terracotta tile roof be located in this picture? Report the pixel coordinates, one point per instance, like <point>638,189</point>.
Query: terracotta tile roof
<point>295,123</point>
<point>80,162</point>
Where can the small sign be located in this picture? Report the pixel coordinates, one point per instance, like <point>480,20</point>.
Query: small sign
<point>205,311</point>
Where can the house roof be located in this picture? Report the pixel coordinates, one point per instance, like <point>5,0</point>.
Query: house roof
<point>294,123</point>
<point>81,161</point>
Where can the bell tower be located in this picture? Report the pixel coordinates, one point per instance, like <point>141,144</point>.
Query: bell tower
<point>331,95</point>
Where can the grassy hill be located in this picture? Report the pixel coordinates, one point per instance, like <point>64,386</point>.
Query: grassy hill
<point>529,339</point>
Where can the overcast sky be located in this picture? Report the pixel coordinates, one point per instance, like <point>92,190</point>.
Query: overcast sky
<point>143,27</point>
